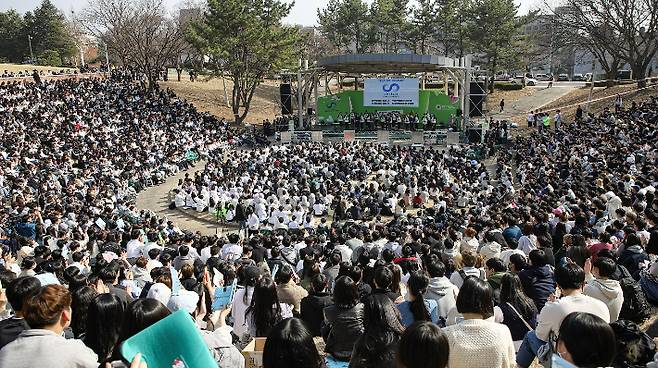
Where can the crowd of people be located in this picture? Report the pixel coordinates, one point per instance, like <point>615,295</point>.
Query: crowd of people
<point>392,256</point>
<point>390,120</point>
<point>28,73</point>
<point>293,187</point>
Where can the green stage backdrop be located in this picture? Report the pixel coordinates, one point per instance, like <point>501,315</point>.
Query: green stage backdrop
<point>430,101</point>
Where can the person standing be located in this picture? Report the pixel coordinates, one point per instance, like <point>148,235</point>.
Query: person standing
<point>531,119</point>
<point>502,105</point>
<point>558,120</point>
<point>619,103</point>
<point>579,114</point>
<point>546,120</point>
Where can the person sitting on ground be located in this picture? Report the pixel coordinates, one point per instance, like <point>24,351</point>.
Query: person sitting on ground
<point>538,280</point>
<point>312,306</point>
<point>585,340</point>
<point>468,268</point>
<point>287,289</point>
<point>17,292</point>
<point>290,344</point>
<point>423,345</point>
<point>515,309</point>
<point>416,307</point>
<point>602,287</point>
<point>344,321</point>
<point>570,280</point>
<point>48,313</point>
<point>440,289</point>
<point>477,341</point>
<point>378,344</point>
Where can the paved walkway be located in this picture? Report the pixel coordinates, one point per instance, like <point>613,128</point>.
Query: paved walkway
<point>156,199</point>
<point>542,97</point>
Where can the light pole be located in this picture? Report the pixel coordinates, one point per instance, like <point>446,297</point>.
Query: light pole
<point>29,42</point>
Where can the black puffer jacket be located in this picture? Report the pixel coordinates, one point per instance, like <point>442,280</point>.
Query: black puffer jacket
<point>538,283</point>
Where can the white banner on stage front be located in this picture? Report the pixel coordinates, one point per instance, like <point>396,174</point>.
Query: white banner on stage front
<point>393,92</point>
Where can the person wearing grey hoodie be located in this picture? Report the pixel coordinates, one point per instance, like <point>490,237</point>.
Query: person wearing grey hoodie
<point>440,288</point>
<point>602,287</point>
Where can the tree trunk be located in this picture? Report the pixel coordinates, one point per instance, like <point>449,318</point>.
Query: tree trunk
<point>494,63</point>
<point>235,98</point>
<point>610,76</point>
<point>639,73</point>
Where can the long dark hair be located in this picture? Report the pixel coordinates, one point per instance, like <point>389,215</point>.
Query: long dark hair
<point>81,298</point>
<point>378,344</point>
<point>265,308</point>
<point>511,291</point>
<point>141,314</point>
<point>418,283</point>
<point>290,344</point>
<point>103,324</point>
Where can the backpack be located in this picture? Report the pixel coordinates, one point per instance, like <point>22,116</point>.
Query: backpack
<point>290,256</point>
<point>463,275</point>
<point>634,347</point>
<point>635,307</point>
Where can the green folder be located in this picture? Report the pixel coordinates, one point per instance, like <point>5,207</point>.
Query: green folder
<point>173,342</point>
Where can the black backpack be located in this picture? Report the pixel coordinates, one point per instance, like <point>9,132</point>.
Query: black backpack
<point>636,308</point>
<point>634,347</point>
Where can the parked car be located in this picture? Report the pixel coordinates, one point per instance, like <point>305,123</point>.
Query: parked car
<point>578,78</point>
<point>516,79</point>
<point>501,77</point>
<point>531,82</point>
<point>542,77</point>
<point>563,78</point>
<point>624,75</point>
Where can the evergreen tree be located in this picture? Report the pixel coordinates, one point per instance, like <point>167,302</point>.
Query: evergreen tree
<point>348,25</point>
<point>49,31</point>
<point>423,29</point>
<point>246,39</point>
<point>13,43</point>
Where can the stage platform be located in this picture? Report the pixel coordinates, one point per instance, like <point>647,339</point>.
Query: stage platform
<point>441,137</point>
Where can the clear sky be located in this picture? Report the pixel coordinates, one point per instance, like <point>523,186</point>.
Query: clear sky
<point>304,12</point>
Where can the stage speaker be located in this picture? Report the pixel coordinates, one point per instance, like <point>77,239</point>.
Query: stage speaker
<point>477,99</point>
<point>286,99</point>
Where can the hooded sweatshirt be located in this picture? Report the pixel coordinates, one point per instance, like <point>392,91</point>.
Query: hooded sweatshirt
<point>609,292</point>
<point>445,294</point>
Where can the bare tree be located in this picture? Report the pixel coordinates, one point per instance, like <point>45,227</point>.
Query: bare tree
<point>139,33</point>
<point>613,31</point>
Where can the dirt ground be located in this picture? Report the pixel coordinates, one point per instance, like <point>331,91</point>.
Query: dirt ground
<point>581,96</point>
<point>493,99</point>
<point>208,96</point>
